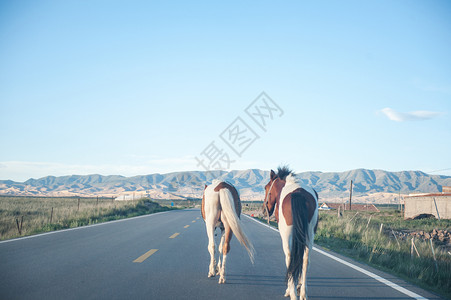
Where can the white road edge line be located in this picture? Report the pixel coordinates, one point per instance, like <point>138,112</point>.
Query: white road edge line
<point>368,273</point>
<point>81,227</point>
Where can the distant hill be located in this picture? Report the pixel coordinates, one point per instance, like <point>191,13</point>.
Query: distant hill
<point>369,185</point>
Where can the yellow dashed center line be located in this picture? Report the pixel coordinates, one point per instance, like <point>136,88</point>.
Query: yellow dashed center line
<point>145,256</point>
<point>194,221</point>
<point>174,235</point>
<point>186,226</point>
<point>197,218</point>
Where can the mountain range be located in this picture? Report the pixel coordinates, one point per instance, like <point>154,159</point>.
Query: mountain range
<point>368,185</point>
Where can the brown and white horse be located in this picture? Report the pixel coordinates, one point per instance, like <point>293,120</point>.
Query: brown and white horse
<point>221,207</point>
<point>296,211</point>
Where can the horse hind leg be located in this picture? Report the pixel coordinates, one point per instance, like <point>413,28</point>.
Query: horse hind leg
<point>218,267</point>
<point>302,274</point>
<point>211,249</point>
<point>285,234</point>
<point>225,250</point>
<point>302,285</point>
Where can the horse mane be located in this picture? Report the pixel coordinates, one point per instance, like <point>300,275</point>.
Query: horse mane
<point>283,172</point>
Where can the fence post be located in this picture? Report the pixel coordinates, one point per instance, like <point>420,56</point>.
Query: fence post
<point>354,216</point>
<point>350,197</point>
<point>51,216</point>
<point>78,209</point>
<point>438,215</point>
<point>367,224</point>
<point>415,247</point>
<point>399,246</point>
<point>402,209</point>
<point>433,254</point>
<point>19,227</point>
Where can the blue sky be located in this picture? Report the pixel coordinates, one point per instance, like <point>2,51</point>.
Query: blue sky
<point>140,87</point>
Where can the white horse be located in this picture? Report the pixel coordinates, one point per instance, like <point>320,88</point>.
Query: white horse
<point>221,207</point>
<point>296,211</point>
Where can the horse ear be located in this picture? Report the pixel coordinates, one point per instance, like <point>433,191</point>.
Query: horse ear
<point>273,175</point>
<point>205,187</point>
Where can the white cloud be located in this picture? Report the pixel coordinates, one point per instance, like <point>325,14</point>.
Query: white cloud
<point>409,116</point>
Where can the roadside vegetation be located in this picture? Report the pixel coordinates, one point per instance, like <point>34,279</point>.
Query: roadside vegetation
<point>22,216</point>
<point>387,242</point>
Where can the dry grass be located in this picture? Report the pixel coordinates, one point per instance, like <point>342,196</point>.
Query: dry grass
<point>360,237</point>
<point>37,215</point>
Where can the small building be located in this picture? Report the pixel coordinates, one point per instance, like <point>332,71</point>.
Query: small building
<point>324,206</point>
<point>357,207</point>
<point>436,204</point>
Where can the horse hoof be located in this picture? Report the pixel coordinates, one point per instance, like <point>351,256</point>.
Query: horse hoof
<point>211,275</point>
<point>221,280</point>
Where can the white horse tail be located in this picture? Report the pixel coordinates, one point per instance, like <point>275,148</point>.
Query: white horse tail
<point>228,209</point>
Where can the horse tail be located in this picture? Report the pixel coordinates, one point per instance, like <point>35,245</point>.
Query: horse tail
<point>228,209</point>
<point>300,235</point>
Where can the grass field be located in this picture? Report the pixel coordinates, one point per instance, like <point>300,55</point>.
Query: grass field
<point>21,216</point>
<point>359,235</point>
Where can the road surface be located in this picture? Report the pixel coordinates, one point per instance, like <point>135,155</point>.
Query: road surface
<point>165,256</point>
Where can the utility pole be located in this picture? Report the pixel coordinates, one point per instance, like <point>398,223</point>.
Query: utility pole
<point>350,197</point>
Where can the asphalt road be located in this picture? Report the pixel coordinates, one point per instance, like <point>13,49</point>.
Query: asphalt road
<point>165,256</point>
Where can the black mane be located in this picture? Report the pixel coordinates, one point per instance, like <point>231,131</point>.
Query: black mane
<point>283,172</point>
